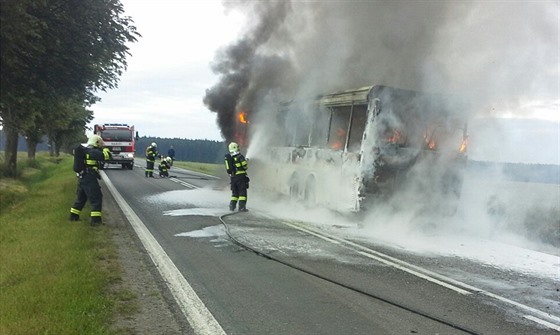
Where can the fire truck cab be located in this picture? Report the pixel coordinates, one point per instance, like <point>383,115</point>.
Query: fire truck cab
<point>120,139</point>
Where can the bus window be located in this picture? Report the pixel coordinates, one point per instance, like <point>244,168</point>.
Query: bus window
<point>319,133</point>
<point>297,126</point>
<point>340,117</point>
<point>392,131</point>
<point>357,127</point>
<point>445,137</point>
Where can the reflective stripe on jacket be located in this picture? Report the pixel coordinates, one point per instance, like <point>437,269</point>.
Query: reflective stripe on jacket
<point>236,164</point>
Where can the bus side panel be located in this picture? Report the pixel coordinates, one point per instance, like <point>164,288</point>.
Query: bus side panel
<point>310,175</point>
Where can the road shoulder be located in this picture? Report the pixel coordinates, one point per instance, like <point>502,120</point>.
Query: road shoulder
<point>143,305</point>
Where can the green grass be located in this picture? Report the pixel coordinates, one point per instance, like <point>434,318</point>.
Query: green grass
<point>208,168</point>
<point>54,273</point>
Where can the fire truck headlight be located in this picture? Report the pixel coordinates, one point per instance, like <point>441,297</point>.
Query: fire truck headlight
<point>129,155</point>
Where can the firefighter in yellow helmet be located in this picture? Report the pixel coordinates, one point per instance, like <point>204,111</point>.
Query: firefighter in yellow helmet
<point>164,167</point>
<point>87,162</point>
<point>236,168</point>
<point>151,154</point>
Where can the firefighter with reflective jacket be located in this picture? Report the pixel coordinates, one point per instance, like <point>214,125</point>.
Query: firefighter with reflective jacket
<point>236,168</point>
<point>151,154</point>
<point>87,162</point>
<point>164,166</point>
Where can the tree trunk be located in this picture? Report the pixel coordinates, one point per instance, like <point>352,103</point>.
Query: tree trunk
<point>11,151</point>
<point>31,148</point>
<point>51,147</point>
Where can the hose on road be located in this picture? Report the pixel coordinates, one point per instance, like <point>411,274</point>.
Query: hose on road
<point>352,288</point>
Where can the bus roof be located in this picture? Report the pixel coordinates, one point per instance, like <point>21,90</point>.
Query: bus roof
<point>344,98</point>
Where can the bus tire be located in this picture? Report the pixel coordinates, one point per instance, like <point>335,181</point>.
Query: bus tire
<point>294,188</point>
<point>310,192</point>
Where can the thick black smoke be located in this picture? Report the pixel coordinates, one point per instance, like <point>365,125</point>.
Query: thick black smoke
<point>500,53</point>
<point>242,68</point>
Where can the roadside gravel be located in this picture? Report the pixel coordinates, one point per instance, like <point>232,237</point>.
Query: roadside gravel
<point>144,305</point>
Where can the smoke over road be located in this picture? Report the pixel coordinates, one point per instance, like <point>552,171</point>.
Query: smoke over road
<point>502,55</point>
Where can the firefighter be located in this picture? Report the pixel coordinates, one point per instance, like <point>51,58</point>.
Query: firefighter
<point>236,168</point>
<point>171,154</point>
<point>151,154</point>
<point>87,162</point>
<point>164,167</point>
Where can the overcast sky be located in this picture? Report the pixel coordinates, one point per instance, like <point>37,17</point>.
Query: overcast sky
<point>161,92</point>
<point>169,70</point>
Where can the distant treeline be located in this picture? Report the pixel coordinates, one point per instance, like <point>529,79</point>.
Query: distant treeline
<point>529,173</point>
<point>203,151</point>
<point>206,151</point>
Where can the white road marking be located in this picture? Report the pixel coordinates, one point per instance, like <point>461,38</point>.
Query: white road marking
<point>198,316</point>
<point>457,286</point>
<point>542,322</point>
<point>370,254</point>
<point>417,271</point>
<point>184,183</point>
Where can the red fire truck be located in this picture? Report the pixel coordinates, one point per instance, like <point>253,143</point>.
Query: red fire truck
<point>120,139</point>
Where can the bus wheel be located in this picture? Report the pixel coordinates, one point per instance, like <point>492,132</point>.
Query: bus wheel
<point>294,188</point>
<point>309,193</point>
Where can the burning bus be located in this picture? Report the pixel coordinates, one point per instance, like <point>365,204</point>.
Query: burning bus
<point>348,150</point>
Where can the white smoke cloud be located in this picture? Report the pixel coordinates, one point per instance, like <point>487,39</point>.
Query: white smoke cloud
<point>503,56</point>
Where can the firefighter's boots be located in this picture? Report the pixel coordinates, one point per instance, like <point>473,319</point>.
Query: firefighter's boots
<point>96,221</point>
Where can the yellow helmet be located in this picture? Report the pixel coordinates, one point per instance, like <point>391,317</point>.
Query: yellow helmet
<point>233,147</point>
<point>95,141</point>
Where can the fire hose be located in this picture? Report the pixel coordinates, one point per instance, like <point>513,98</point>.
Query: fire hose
<point>349,287</point>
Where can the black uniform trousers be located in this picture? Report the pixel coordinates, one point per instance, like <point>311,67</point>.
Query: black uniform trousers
<point>239,185</point>
<point>88,189</point>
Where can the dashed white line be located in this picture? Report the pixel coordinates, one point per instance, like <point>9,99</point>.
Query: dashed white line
<point>198,316</point>
<point>184,183</point>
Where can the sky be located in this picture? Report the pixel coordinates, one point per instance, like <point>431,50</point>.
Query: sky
<point>506,55</point>
<point>169,68</point>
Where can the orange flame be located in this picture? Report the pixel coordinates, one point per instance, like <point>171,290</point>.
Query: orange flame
<point>395,137</point>
<point>463,147</point>
<point>336,145</point>
<point>430,142</point>
<point>243,117</point>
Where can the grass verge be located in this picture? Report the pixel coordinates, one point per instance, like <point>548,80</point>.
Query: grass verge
<point>208,168</point>
<point>54,273</point>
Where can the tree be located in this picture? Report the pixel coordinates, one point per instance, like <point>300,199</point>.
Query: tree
<point>53,53</point>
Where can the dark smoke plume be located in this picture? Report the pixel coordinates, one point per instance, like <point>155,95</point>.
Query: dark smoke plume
<point>241,67</point>
<point>500,53</point>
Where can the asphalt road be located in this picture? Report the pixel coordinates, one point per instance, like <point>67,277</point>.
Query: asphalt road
<point>249,273</point>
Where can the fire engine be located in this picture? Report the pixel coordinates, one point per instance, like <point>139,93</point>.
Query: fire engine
<point>120,139</point>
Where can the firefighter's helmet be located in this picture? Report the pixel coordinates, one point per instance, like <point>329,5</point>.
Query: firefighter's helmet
<point>154,144</point>
<point>168,159</point>
<point>233,147</point>
<point>95,141</point>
